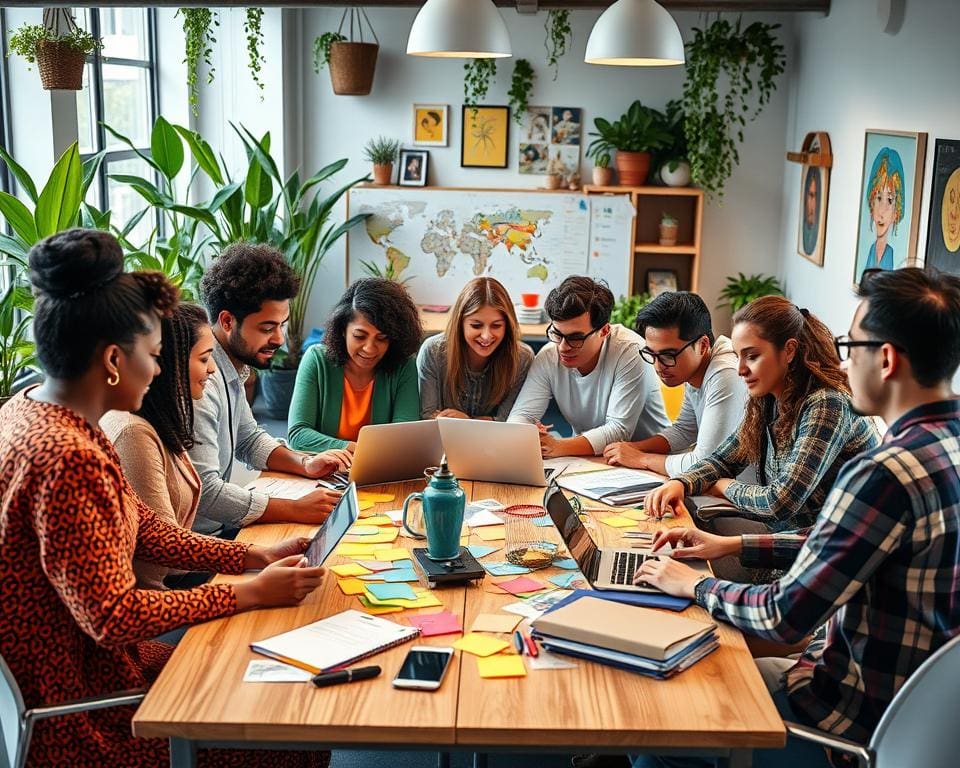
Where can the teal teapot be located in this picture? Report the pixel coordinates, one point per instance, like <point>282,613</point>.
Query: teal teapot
<point>443,504</point>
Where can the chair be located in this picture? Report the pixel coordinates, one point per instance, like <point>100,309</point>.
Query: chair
<point>17,721</point>
<point>919,727</point>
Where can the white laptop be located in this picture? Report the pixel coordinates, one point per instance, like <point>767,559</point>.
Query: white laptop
<point>493,451</point>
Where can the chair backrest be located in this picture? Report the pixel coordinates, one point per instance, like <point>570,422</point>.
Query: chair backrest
<point>919,727</point>
<point>11,712</point>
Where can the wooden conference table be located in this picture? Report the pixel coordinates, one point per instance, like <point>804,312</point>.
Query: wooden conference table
<point>719,706</point>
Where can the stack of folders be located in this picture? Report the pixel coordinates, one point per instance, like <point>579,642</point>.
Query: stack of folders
<point>641,640</point>
<point>616,487</point>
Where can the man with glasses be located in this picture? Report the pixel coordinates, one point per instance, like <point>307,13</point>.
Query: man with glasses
<point>680,345</point>
<point>595,373</point>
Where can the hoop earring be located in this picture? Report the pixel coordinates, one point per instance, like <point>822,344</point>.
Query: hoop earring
<point>113,379</point>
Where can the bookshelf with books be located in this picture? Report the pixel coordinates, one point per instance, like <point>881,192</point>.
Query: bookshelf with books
<point>685,204</point>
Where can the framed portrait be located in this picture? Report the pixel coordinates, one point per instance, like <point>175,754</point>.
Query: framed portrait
<point>814,193</point>
<point>943,226</point>
<point>413,167</point>
<point>889,204</point>
<point>484,137</point>
<point>661,281</point>
<point>565,126</point>
<point>430,123</point>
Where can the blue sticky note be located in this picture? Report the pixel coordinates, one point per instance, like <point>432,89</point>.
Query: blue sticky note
<point>564,580</point>
<point>405,565</point>
<point>542,522</point>
<point>399,574</point>
<point>481,550</point>
<point>569,564</point>
<point>504,569</point>
<point>391,591</point>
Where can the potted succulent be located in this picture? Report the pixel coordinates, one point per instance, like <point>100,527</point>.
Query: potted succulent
<point>602,172</point>
<point>58,47</point>
<point>556,173</point>
<point>382,152</point>
<point>674,167</point>
<point>741,290</point>
<point>639,131</point>
<point>668,229</point>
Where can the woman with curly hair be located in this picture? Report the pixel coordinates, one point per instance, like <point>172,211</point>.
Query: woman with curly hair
<point>474,369</point>
<point>364,372</point>
<point>799,428</point>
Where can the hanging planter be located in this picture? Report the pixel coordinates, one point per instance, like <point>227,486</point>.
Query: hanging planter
<point>58,47</point>
<point>352,60</point>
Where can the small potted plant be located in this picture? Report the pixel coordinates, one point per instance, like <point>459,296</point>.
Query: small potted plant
<point>556,173</point>
<point>639,132</point>
<point>668,229</point>
<point>382,152</point>
<point>674,167</point>
<point>741,290</point>
<point>602,172</point>
<point>60,56</point>
<point>352,62</point>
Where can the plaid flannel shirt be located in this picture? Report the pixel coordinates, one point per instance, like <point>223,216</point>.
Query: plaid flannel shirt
<point>882,564</point>
<point>827,435</point>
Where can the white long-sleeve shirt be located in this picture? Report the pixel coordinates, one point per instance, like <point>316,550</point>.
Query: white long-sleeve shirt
<point>709,413</point>
<point>619,399</point>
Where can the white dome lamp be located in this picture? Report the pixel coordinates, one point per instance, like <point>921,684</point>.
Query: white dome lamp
<point>459,29</point>
<point>635,33</point>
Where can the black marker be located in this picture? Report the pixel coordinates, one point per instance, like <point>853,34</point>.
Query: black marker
<point>344,676</point>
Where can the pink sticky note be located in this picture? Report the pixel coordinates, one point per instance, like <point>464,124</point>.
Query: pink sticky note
<point>375,565</point>
<point>444,623</point>
<point>520,585</point>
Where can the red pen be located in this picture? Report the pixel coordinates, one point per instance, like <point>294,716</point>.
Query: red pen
<point>531,646</point>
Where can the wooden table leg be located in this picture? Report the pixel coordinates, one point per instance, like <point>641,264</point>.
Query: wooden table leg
<point>183,753</point>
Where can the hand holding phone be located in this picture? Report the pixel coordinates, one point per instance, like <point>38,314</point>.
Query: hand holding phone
<point>424,667</point>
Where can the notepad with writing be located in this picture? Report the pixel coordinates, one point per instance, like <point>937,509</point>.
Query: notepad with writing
<point>335,641</point>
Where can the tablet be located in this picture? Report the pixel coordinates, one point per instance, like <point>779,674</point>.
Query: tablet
<point>340,519</point>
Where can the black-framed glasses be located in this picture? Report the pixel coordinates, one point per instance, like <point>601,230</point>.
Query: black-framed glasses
<point>574,340</point>
<point>667,359</point>
<point>843,344</point>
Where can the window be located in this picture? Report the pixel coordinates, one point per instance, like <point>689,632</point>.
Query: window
<point>120,89</point>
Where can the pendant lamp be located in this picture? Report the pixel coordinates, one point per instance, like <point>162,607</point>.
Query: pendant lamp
<point>459,29</point>
<point>635,33</point>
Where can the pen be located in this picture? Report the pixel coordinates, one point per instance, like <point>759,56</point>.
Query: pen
<point>531,646</point>
<point>637,535</point>
<point>344,676</point>
<point>518,642</point>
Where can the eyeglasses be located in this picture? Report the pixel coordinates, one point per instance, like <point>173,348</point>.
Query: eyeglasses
<point>667,359</point>
<point>843,343</point>
<point>574,340</point>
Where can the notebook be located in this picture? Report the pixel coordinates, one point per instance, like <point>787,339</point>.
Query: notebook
<point>616,487</point>
<point>335,641</point>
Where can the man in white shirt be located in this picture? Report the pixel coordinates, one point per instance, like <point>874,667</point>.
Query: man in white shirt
<point>594,371</point>
<point>681,347</point>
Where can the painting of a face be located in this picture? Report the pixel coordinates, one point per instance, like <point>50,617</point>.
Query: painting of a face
<point>810,201</point>
<point>943,225</point>
<point>950,214</point>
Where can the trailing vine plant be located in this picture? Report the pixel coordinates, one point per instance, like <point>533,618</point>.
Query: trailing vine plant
<point>198,25</point>
<point>476,81</point>
<point>521,84</point>
<point>253,28</point>
<point>559,37</point>
<point>321,49</point>
<point>748,59</point>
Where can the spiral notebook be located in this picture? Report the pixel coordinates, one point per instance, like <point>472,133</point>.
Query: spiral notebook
<point>335,641</point>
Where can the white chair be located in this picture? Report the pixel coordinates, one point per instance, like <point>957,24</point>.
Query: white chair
<point>919,728</point>
<point>17,721</point>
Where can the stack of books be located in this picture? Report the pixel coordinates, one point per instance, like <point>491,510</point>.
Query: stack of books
<point>641,640</point>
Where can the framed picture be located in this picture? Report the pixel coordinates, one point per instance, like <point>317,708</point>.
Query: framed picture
<point>889,201</point>
<point>565,126</point>
<point>430,123</point>
<point>413,167</point>
<point>536,126</point>
<point>943,226</point>
<point>533,158</point>
<point>814,192</point>
<point>661,281</point>
<point>484,137</point>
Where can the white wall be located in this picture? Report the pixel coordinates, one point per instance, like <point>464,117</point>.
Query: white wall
<point>742,235</point>
<point>848,76</point>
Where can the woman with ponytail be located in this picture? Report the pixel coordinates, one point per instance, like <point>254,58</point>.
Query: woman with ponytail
<point>799,428</point>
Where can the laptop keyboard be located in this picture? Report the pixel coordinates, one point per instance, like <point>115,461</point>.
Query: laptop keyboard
<point>625,564</point>
<point>338,481</point>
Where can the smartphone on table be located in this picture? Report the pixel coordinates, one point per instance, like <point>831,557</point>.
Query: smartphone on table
<point>424,667</point>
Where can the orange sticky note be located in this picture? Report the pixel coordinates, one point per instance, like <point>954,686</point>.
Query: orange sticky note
<point>351,586</point>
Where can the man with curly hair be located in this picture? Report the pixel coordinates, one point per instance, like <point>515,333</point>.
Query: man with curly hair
<point>247,293</point>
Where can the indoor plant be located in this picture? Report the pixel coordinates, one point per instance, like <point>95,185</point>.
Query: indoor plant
<point>668,229</point>
<point>741,290</point>
<point>602,172</point>
<point>382,152</point>
<point>477,74</point>
<point>198,26</point>
<point>556,173</point>
<point>639,131</point>
<point>58,47</point>
<point>17,350</point>
<point>352,62</point>
<point>321,49</point>
<point>521,83</point>
<point>672,164</point>
<point>558,38</point>
<point>627,308</point>
<point>744,60</point>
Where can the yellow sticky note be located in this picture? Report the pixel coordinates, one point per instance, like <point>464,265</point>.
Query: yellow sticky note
<point>496,622</point>
<point>366,504</point>
<point>501,665</point>
<point>376,498</point>
<point>634,514</point>
<point>389,555</point>
<point>382,536</point>
<point>363,530</point>
<point>480,645</point>
<point>377,520</point>
<point>350,569</point>
<point>350,549</point>
<point>619,522</point>
<point>351,586</point>
<point>492,532</point>
<point>376,610</point>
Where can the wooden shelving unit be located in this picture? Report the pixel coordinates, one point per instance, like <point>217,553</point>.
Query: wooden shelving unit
<point>686,205</point>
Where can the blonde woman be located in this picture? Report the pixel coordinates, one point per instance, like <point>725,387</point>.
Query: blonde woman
<point>474,370</point>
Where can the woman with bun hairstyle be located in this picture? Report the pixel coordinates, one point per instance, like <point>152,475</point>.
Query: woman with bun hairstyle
<point>363,373</point>
<point>474,370</point>
<point>799,428</point>
<point>71,522</point>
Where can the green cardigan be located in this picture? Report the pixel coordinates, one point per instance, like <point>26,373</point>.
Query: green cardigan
<point>318,398</point>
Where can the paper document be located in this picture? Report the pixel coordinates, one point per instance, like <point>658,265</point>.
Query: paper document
<point>612,486</point>
<point>574,464</point>
<point>282,487</point>
<point>264,671</point>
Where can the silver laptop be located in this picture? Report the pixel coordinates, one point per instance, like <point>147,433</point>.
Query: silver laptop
<point>493,451</point>
<point>389,453</point>
<point>603,567</point>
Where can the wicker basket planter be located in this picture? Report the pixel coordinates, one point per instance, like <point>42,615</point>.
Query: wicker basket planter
<point>352,67</point>
<point>60,65</point>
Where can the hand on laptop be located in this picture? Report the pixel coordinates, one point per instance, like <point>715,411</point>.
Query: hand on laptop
<point>285,582</point>
<point>666,499</point>
<point>692,543</point>
<point>328,462</point>
<point>668,575</point>
<point>316,505</point>
<point>451,413</point>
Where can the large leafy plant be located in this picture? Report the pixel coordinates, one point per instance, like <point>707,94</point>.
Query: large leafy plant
<point>741,290</point>
<point>627,308</point>
<point>17,350</point>
<point>639,129</point>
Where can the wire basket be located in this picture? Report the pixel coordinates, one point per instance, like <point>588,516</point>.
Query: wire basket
<point>527,544</point>
<point>60,65</point>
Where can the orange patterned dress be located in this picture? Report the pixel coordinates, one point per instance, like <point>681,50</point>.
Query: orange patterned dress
<point>72,623</point>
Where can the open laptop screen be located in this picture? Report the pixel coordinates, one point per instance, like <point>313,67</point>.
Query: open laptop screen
<point>572,530</point>
<point>340,519</point>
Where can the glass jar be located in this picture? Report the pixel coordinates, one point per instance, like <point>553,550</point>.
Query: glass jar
<point>528,544</point>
